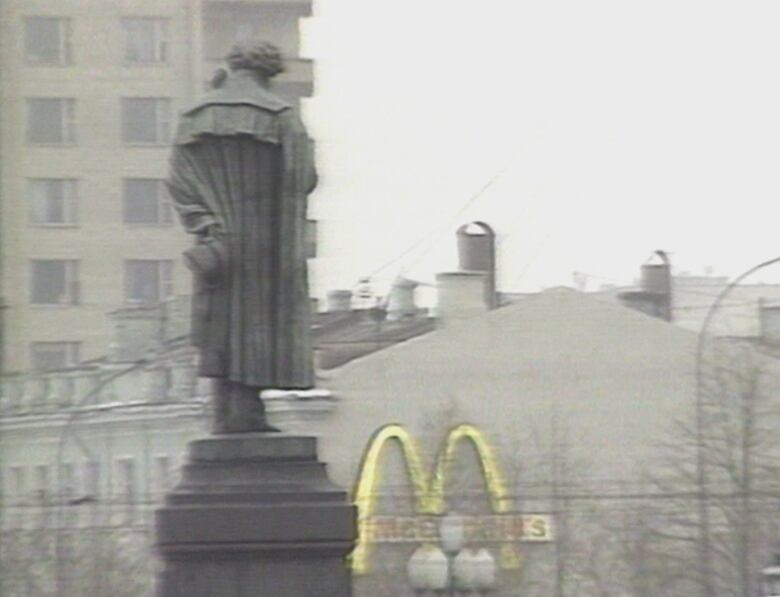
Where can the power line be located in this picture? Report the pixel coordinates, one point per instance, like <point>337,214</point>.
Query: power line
<point>437,231</point>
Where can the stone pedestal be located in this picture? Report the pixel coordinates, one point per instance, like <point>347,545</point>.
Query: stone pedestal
<point>255,515</point>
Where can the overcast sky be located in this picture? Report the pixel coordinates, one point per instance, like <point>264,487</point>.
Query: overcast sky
<point>608,129</point>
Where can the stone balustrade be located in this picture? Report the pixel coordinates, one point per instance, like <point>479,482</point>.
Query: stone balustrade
<point>183,378</point>
<point>11,393</point>
<point>168,378</point>
<point>60,391</point>
<point>176,316</point>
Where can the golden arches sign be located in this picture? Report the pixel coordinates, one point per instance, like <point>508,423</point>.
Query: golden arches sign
<point>429,495</point>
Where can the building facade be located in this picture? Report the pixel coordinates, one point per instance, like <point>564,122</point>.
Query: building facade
<point>489,415</point>
<point>541,423</point>
<point>690,301</point>
<point>90,95</point>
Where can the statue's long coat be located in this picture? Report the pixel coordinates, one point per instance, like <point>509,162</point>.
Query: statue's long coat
<point>242,160</point>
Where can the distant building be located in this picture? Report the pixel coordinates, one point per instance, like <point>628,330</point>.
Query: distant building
<point>559,375</point>
<point>686,300</point>
<point>96,446</point>
<point>343,333</point>
<point>90,95</point>
<point>538,422</point>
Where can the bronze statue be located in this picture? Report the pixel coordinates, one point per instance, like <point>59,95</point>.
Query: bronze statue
<point>241,169</point>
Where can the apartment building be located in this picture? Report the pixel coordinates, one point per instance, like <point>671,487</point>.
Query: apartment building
<point>90,92</point>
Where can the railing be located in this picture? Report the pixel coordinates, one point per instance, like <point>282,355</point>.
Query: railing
<point>149,361</point>
<point>169,378</point>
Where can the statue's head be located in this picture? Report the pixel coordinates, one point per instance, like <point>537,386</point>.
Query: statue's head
<point>262,58</point>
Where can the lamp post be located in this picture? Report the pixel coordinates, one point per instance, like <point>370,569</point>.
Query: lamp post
<point>451,569</point>
<point>702,476</point>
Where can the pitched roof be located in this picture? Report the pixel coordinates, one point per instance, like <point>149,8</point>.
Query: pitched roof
<point>611,374</point>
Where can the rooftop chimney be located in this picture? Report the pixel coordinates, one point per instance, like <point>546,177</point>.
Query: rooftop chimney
<point>472,290</point>
<point>477,253</point>
<point>461,296</point>
<point>400,303</point>
<point>654,296</point>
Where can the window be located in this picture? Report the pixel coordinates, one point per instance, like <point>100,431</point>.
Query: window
<point>18,483</point>
<point>51,121</point>
<point>52,201</point>
<point>128,495</point>
<point>145,201</point>
<point>146,120</point>
<point>148,281</point>
<point>162,474</point>
<point>127,480</point>
<point>67,481</point>
<point>46,356</point>
<point>47,40</point>
<point>54,282</point>
<point>146,40</point>
<point>42,488</point>
<point>92,479</point>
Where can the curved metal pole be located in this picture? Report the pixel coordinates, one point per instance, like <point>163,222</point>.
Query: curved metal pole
<point>705,560</point>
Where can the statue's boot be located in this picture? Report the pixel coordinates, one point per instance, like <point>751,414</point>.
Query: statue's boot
<point>247,411</point>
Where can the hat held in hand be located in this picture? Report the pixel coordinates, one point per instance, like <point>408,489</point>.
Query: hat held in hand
<point>207,260</point>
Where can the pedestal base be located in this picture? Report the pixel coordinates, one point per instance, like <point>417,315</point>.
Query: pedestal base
<point>255,515</point>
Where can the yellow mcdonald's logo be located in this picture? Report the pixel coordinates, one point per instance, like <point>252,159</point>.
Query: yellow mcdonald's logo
<point>428,492</point>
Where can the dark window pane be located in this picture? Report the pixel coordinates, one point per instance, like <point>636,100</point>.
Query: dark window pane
<point>139,121</point>
<point>142,281</point>
<point>139,40</point>
<point>144,40</point>
<point>52,200</point>
<point>141,201</point>
<point>54,355</point>
<point>45,120</point>
<point>49,359</point>
<point>49,282</point>
<point>42,42</point>
<point>52,196</point>
<point>92,482</point>
<point>39,201</point>
<point>49,355</point>
<point>55,210</point>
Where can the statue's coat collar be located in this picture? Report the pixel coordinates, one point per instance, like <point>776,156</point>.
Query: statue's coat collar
<point>240,88</point>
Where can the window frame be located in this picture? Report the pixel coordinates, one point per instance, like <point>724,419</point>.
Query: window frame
<point>165,281</point>
<point>42,492</point>
<point>93,478</point>
<point>163,120</point>
<point>161,40</point>
<point>65,45</point>
<point>67,123</point>
<point>163,205</point>
<point>72,289</point>
<point>128,496</point>
<point>70,198</point>
<point>19,479</point>
<point>127,473</point>
<point>67,482</point>
<point>72,349</point>
<point>163,474</point>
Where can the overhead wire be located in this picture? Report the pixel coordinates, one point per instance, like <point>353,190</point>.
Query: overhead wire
<point>433,235</point>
